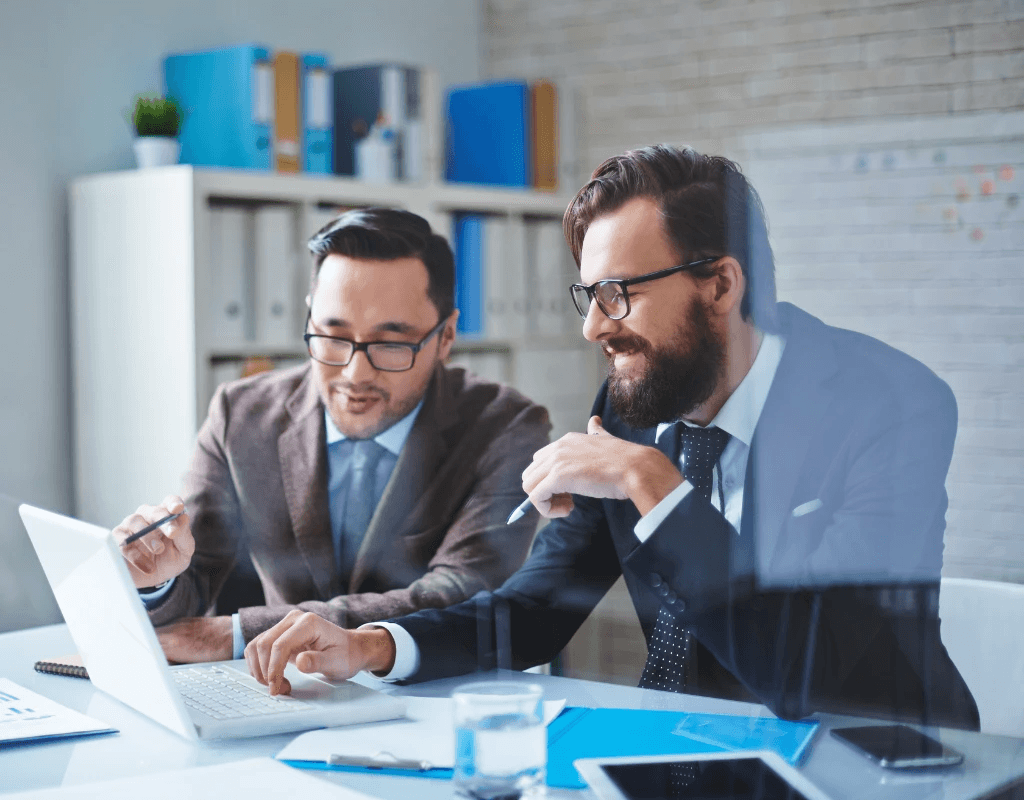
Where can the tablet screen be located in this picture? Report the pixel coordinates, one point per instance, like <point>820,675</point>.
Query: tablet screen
<point>734,779</point>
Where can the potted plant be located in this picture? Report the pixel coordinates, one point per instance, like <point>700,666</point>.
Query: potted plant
<point>157,121</point>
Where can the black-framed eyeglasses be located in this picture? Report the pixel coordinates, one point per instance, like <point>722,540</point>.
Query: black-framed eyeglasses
<point>384,356</point>
<point>612,296</point>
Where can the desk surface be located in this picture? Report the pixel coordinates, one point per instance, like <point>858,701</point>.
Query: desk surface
<point>145,747</point>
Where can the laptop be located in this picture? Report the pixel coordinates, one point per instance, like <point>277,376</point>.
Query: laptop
<point>120,650</point>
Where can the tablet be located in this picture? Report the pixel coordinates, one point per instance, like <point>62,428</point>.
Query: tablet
<point>739,775</point>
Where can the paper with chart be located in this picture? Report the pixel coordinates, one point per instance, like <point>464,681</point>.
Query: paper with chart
<point>26,716</point>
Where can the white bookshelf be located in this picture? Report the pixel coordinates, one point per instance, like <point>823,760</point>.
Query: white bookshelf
<point>147,353</point>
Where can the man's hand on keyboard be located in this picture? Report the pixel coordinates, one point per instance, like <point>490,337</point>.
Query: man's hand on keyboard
<point>315,645</point>
<point>191,640</point>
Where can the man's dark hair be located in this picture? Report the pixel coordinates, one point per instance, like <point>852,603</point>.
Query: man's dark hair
<point>708,209</point>
<point>387,234</point>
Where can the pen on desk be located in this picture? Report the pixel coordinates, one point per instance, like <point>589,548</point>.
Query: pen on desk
<point>150,528</point>
<point>520,511</point>
<point>379,761</point>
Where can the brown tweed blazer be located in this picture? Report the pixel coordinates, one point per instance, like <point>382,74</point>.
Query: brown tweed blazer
<point>258,479</point>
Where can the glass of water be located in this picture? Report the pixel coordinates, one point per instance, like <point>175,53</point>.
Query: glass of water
<point>500,740</point>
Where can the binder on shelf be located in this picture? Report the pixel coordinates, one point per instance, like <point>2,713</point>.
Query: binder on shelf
<point>275,259</point>
<point>544,134</point>
<point>317,114</point>
<point>366,95</point>
<point>230,301</point>
<point>469,297</point>
<point>489,134</point>
<point>227,96</point>
<point>431,132</point>
<point>548,273</point>
<point>287,113</point>
<point>504,283</point>
<point>569,168</point>
<point>498,286</point>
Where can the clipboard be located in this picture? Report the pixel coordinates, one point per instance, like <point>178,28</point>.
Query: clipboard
<point>580,732</point>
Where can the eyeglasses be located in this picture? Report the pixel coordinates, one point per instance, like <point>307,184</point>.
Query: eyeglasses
<point>383,356</point>
<point>612,297</point>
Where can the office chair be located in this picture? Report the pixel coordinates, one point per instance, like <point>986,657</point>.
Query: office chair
<point>982,631</point>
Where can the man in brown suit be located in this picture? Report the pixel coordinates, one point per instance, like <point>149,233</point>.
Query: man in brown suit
<point>368,484</point>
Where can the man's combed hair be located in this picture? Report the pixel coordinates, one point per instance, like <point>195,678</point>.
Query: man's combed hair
<point>707,206</point>
<point>386,234</point>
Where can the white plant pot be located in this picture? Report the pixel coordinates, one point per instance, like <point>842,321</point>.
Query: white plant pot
<point>156,151</point>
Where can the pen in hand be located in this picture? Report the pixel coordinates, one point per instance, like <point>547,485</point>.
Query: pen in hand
<point>150,528</point>
<point>520,511</point>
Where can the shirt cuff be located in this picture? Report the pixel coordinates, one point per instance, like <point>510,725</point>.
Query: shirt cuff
<point>657,515</point>
<point>237,642</point>
<point>152,599</point>
<point>407,653</point>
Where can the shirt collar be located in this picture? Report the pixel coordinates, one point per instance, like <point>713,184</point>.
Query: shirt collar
<point>392,440</point>
<point>739,415</point>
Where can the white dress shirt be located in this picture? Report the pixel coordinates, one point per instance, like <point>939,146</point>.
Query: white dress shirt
<point>738,417</point>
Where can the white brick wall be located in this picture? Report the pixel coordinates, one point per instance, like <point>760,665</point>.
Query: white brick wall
<point>913,231</point>
<point>706,72</point>
<point>871,232</point>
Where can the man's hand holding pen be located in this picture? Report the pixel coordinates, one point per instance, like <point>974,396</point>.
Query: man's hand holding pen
<point>598,465</point>
<point>161,555</point>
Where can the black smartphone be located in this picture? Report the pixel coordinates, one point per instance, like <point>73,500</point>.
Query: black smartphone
<point>899,746</point>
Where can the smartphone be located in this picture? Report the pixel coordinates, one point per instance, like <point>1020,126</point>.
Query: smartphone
<point>899,746</point>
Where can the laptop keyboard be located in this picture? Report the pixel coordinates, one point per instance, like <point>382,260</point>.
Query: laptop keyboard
<point>218,693</point>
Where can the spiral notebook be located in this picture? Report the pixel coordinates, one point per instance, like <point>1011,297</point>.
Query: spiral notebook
<point>69,666</point>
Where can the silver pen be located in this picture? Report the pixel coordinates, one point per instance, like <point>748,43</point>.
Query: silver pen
<point>382,760</point>
<point>520,511</point>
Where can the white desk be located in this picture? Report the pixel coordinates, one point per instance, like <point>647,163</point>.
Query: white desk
<point>144,747</point>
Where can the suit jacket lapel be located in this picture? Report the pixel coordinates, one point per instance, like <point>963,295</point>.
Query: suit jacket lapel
<point>302,450</point>
<point>421,457</point>
<point>796,402</point>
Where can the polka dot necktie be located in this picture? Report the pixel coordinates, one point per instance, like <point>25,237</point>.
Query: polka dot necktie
<point>670,642</point>
<point>669,649</point>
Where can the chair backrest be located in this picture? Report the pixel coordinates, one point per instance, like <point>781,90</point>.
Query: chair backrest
<point>983,631</point>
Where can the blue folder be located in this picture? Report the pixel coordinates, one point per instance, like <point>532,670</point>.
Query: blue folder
<point>489,134</point>
<point>226,121</point>
<point>469,277</point>
<point>317,135</point>
<point>606,732</point>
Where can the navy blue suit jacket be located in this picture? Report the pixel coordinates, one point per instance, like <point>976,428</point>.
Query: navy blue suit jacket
<point>833,607</point>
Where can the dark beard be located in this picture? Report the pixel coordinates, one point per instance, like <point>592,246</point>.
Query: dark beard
<point>679,377</point>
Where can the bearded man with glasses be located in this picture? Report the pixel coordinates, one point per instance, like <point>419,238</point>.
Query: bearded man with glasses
<point>370,483</point>
<point>771,488</point>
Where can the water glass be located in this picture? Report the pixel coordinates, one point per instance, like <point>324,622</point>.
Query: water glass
<point>500,740</point>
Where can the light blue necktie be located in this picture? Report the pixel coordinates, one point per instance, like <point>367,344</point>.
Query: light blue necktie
<point>360,501</point>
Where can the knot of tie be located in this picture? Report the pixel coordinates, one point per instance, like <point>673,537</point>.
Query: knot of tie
<point>701,449</point>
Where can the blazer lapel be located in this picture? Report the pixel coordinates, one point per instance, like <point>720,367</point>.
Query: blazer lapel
<point>422,455</point>
<point>796,402</point>
<point>302,450</point>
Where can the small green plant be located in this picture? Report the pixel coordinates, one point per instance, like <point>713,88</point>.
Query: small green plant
<point>154,115</point>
